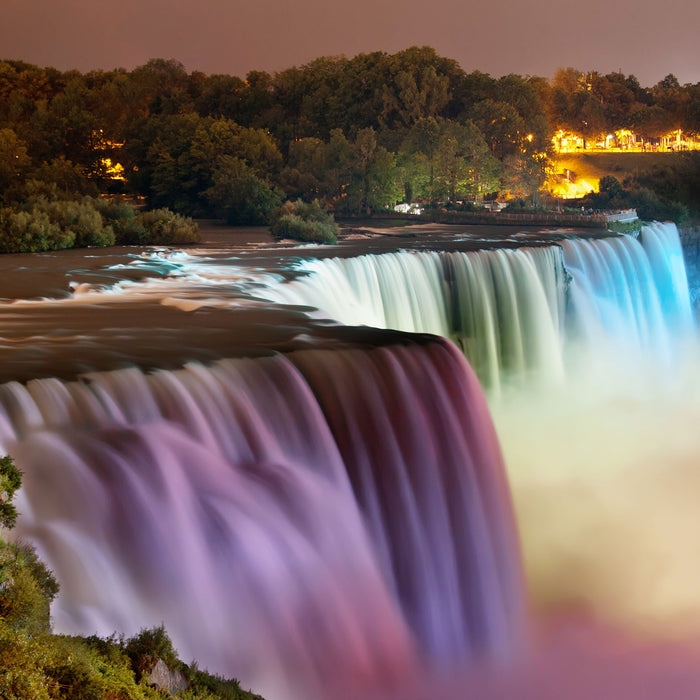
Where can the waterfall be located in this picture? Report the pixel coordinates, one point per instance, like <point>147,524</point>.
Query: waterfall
<point>504,307</point>
<point>300,521</point>
<point>319,522</point>
<point>514,312</point>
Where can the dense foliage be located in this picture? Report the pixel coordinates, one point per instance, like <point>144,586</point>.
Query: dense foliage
<point>38,665</point>
<point>38,224</point>
<point>591,104</point>
<point>360,134</point>
<point>300,221</point>
<point>649,204</point>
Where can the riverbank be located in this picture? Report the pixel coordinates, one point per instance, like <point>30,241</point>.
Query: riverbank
<point>553,219</point>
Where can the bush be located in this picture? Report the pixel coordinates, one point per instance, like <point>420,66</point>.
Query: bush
<point>306,222</point>
<point>651,207</point>
<point>649,204</point>
<point>27,588</point>
<point>24,660</point>
<point>300,230</point>
<point>47,224</point>
<point>60,179</point>
<point>124,220</point>
<point>148,646</point>
<point>10,481</point>
<point>90,668</point>
<point>31,231</point>
<point>164,227</point>
<point>81,219</point>
<point>44,224</point>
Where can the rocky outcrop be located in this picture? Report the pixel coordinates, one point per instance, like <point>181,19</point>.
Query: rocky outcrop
<point>162,677</point>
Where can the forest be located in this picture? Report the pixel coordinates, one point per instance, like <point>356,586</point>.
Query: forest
<point>359,134</point>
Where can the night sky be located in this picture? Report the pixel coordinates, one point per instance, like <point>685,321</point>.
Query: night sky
<point>648,40</point>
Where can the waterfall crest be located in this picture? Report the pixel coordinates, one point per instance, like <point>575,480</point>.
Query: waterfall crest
<point>514,312</point>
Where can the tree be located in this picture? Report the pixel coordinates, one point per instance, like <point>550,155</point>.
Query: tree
<point>418,155</point>
<point>302,221</point>
<point>60,178</point>
<point>161,86</point>
<point>27,587</point>
<point>336,170</point>
<point>373,175</point>
<point>418,87</point>
<point>220,96</point>
<point>14,162</point>
<point>414,97</point>
<point>524,174</point>
<point>238,195</point>
<point>444,160</point>
<point>10,482</point>
<point>503,128</point>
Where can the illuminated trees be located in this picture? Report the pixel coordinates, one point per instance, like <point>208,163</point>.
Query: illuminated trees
<point>445,160</point>
<point>346,130</point>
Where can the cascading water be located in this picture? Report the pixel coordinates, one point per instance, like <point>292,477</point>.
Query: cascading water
<point>309,522</point>
<point>319,522</point>
<point>503,307</point>
<point>514,312</point>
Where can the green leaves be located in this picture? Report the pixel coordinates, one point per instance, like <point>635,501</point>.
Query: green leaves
<point>10,481</point>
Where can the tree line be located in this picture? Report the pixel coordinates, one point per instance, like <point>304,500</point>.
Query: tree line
<point>358,134</point>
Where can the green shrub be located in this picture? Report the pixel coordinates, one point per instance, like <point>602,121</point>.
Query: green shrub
<point>10,481</point>
<point>60,179</point>
<point>651,207</point>
<point>31,232</point>
<point>164,227</point>
<point>24,660</point>
<point>205,685</point>
<point>83,220</point>
<point>27,588</point>
<point>85,669</point>
<point>302,221</point>
<point>148,646</point>
<point>50,224</point>
<point>300,230</point>
<point>625,226</point>
<point>124,220</point>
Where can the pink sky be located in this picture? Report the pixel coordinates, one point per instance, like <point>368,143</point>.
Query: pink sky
<point>231,36</point>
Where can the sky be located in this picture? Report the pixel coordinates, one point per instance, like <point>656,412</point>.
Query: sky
<point>638,37</point>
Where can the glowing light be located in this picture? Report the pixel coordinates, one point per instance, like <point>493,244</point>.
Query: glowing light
<point>114,171</point>
<point>623,140</point>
